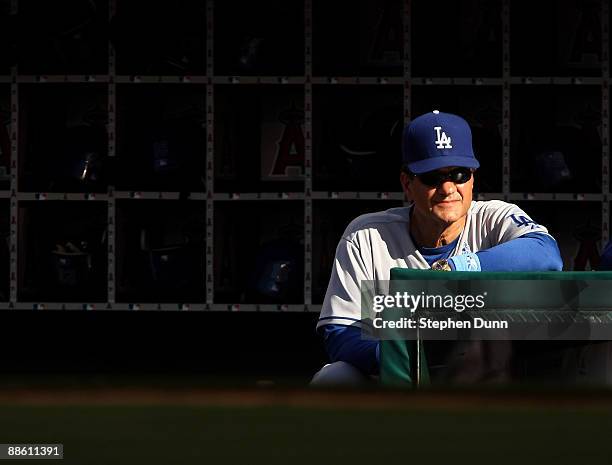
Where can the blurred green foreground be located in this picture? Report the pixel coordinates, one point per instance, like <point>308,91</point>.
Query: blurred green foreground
<point>409,429</point>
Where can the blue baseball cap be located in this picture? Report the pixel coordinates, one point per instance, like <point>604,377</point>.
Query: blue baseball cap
<point>437,140</point>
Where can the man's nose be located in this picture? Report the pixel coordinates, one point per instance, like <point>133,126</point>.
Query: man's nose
<point>447,188</point>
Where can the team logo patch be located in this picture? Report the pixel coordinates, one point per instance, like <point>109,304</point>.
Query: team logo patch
<point>523,221</point>
<point>442,140</point>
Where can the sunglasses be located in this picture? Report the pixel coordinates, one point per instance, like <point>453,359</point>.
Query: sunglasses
<point>435,178</point>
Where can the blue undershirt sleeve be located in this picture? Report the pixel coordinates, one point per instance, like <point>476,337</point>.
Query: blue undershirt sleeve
<point>344,343</point>
<point>531,252</point>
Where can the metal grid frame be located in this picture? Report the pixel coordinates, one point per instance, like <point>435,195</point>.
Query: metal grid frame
<point>407,81</point>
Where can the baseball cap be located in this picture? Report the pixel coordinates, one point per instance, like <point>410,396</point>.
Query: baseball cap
<point>437,140</point>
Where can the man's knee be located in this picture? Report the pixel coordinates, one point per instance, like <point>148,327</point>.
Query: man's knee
<point>339,374</point>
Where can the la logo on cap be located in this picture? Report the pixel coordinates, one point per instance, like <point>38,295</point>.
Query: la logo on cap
<point>442,140</point>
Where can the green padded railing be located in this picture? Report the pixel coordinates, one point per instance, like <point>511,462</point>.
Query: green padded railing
<point>404,364</point>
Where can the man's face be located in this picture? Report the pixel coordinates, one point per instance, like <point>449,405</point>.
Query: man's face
<point>445,203</point>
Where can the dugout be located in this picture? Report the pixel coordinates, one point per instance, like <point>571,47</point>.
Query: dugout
<point>156,175</point>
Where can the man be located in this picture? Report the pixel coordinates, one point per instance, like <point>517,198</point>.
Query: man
<point>442,229</point>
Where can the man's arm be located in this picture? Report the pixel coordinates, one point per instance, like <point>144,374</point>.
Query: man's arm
<point>531,252</point>
<point>344,343</point>
<point>341,322</point>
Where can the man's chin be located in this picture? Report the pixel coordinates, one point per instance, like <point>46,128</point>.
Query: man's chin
<point>447,217</point>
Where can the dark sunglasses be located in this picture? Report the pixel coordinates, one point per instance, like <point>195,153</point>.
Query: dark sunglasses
<point>435,178</point>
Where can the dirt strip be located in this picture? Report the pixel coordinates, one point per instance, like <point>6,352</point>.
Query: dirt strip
<point>303,398</point>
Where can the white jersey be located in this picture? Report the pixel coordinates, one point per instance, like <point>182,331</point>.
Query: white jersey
<point>376,242</point>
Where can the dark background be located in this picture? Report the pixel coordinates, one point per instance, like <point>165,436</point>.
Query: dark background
<point>372,65</point>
